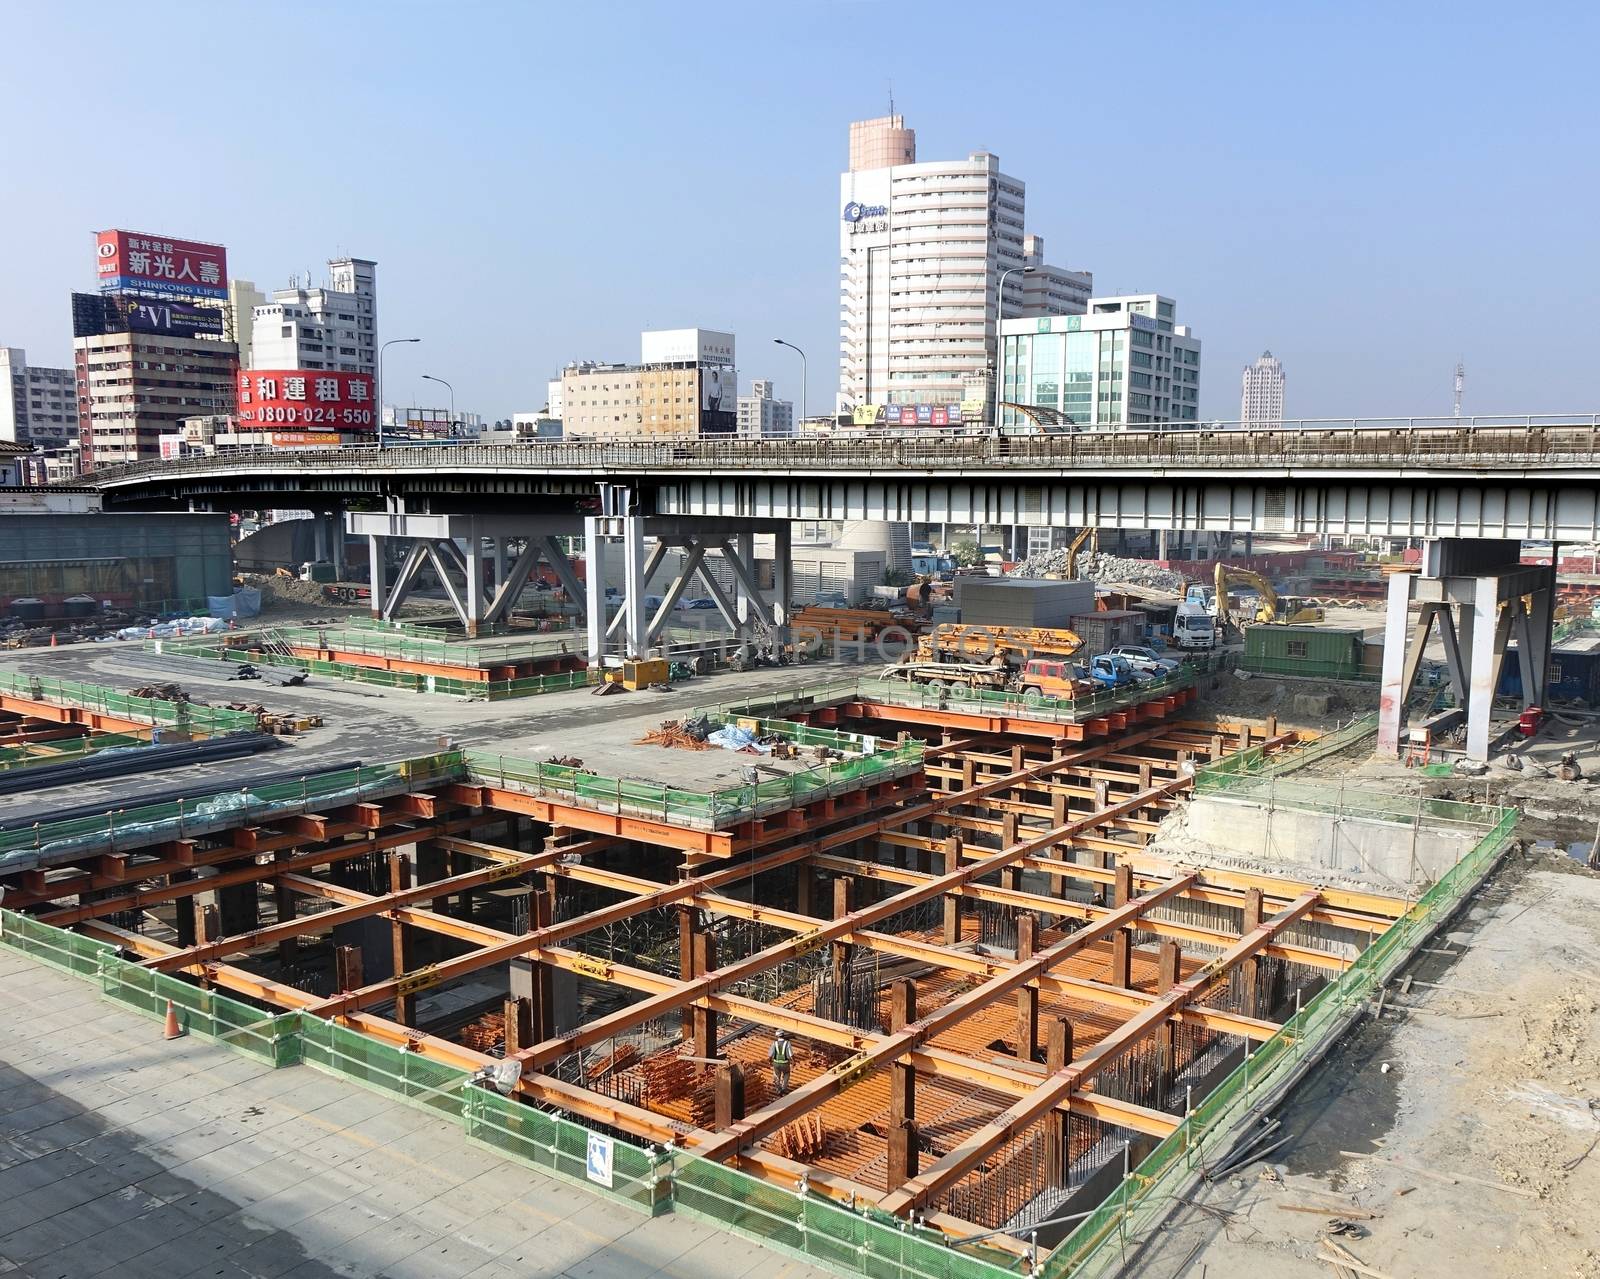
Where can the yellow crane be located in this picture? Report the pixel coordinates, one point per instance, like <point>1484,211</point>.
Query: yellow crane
<point>1090,535</point>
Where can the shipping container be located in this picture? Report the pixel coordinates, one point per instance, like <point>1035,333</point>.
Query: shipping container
<point>1021,601</point>
<point>1322,652</point>
<point>1102,631</point>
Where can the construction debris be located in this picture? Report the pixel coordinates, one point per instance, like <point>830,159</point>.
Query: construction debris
<point>164,693</point>
<point>678,736</point>
<point>1098,566</point>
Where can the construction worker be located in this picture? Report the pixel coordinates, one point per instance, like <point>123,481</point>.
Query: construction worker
<point>780,1055</point>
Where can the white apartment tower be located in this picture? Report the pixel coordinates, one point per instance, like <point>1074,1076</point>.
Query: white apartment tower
<point>761,416</point>
<point>1261,394</point>
<point>38,405</point>
<point>326,328</point>
<point>923,250</point>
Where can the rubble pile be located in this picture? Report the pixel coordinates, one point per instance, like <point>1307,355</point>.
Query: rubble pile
<point>1106,569</point>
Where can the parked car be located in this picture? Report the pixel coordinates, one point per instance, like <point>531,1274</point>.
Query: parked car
<point>1146,660</point>
<point>702,601</point>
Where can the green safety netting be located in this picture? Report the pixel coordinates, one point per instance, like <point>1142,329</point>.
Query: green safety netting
<point>197,719</point>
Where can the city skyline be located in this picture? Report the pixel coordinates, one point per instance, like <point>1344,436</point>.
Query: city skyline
<point>1373,241</point>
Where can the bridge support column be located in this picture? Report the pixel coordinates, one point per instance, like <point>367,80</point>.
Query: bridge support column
<point>594,554</point>
<point>1479,598</point>
<point>375,574</point>
<point>782,582</point>
<point>636,575</point>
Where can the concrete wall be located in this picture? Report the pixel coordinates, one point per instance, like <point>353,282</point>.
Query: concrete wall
<point>1385,854</point>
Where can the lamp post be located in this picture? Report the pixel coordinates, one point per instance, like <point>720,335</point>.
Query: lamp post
<point>379,396</point>
<point>999,342</point>
<point>803,377</point>
<point>428,377</point>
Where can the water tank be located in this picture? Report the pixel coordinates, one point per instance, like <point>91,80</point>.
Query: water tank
<point>80,606</point>
<point>28,610</point>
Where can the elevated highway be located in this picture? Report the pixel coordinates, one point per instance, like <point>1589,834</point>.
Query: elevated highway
<point>1531,477</point>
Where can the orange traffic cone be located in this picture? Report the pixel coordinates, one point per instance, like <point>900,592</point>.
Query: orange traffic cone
<point>172,1029</point>
<point>52,639</point>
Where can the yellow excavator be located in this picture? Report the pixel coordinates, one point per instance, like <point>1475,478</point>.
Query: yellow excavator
<point>1270,609</point>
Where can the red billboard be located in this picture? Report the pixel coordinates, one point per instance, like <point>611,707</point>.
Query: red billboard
<point>306,399</point>
<point>133,262</point>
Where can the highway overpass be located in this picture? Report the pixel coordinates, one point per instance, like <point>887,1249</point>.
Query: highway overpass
<point>1536,478</point>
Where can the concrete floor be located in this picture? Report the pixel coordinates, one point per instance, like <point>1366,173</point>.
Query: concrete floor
<point>374,725</point>
<point>124,1155</point>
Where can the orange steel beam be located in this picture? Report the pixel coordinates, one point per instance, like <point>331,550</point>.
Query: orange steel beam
<point>141,897</point>
<point>324,920</point>
<point>934,1061</point>
<point>461,965</point>
<point>72,715</point>
<point>940,956</point>
<point>237,980</point>
<point>785,1109</point>
<point>1307,955</point>
<point>607,1026</point>
<point>959,1161</point>
<point>714,843</point>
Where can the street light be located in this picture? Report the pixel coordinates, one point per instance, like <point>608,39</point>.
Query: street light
<point>379,395</point>
<point>999,342</point>
<point>793,347</point>
<point>428,377</point>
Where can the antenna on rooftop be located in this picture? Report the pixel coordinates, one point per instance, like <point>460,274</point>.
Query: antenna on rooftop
<point>1461,382</point>
<point>891,97</point>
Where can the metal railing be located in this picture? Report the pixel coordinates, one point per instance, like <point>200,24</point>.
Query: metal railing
<point>1549,440</point>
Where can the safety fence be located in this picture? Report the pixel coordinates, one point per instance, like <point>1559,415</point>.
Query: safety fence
<point>869,759</point>
<point>1148,1193</point>
<point>179,819</point>
<point>211,721</point>
<point>1259,762</point>
<point>980,701</point>
<point>1308,668</point>
<point>441,651</point>
<point>1343,801</point>
<point>408,681</point>
<point>63,752</point>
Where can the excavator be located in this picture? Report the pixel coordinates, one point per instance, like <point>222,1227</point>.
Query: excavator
<point>1270,608</point>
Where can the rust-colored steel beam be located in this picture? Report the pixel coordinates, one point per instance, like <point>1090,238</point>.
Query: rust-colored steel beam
<point>785,1109</point>
<point>142,897</point>
<point>954,1165</point>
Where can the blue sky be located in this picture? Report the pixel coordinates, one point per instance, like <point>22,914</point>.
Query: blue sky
<point>1372,191</point>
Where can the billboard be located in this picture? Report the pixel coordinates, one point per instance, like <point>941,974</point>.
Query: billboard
<point>306,398</point>
<point>305,440</point>
<point>915,414</point>
<point>96,314</point>
<point>132,262</point>
<point>719,392</point>
<point>686,346</point>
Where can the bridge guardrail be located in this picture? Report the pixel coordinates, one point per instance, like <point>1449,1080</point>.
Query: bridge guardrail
<point>1471,443</point>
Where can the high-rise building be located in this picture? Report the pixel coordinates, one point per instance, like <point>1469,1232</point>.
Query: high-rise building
<point>333,327</point>
<point>1122,363</point>
<point>152,347</point>
<point>243,299</point>
<point>924,249</point>
<point>38,405</point>
<point>761,416</point>
<point>134,388</point>
<point>684,384</point>
<point>1261,392</point>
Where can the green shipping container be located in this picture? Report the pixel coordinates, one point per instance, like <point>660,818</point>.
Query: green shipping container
<point>1319,652</point>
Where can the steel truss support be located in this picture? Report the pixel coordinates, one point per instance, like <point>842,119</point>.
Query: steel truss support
<point>1476,595</point>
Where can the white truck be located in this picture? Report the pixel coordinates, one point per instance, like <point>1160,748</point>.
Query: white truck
<point>1194,627</point>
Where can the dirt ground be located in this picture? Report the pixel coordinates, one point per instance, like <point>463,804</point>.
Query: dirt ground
<point>1457,1136</point>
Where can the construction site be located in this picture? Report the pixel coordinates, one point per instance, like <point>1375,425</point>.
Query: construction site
<point>943,975</point>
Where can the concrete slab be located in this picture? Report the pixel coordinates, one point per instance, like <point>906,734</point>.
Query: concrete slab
<point>204,1163</point>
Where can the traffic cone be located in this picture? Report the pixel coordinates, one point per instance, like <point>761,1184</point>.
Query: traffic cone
<point>52,639</point>
<point>172,1029</point>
